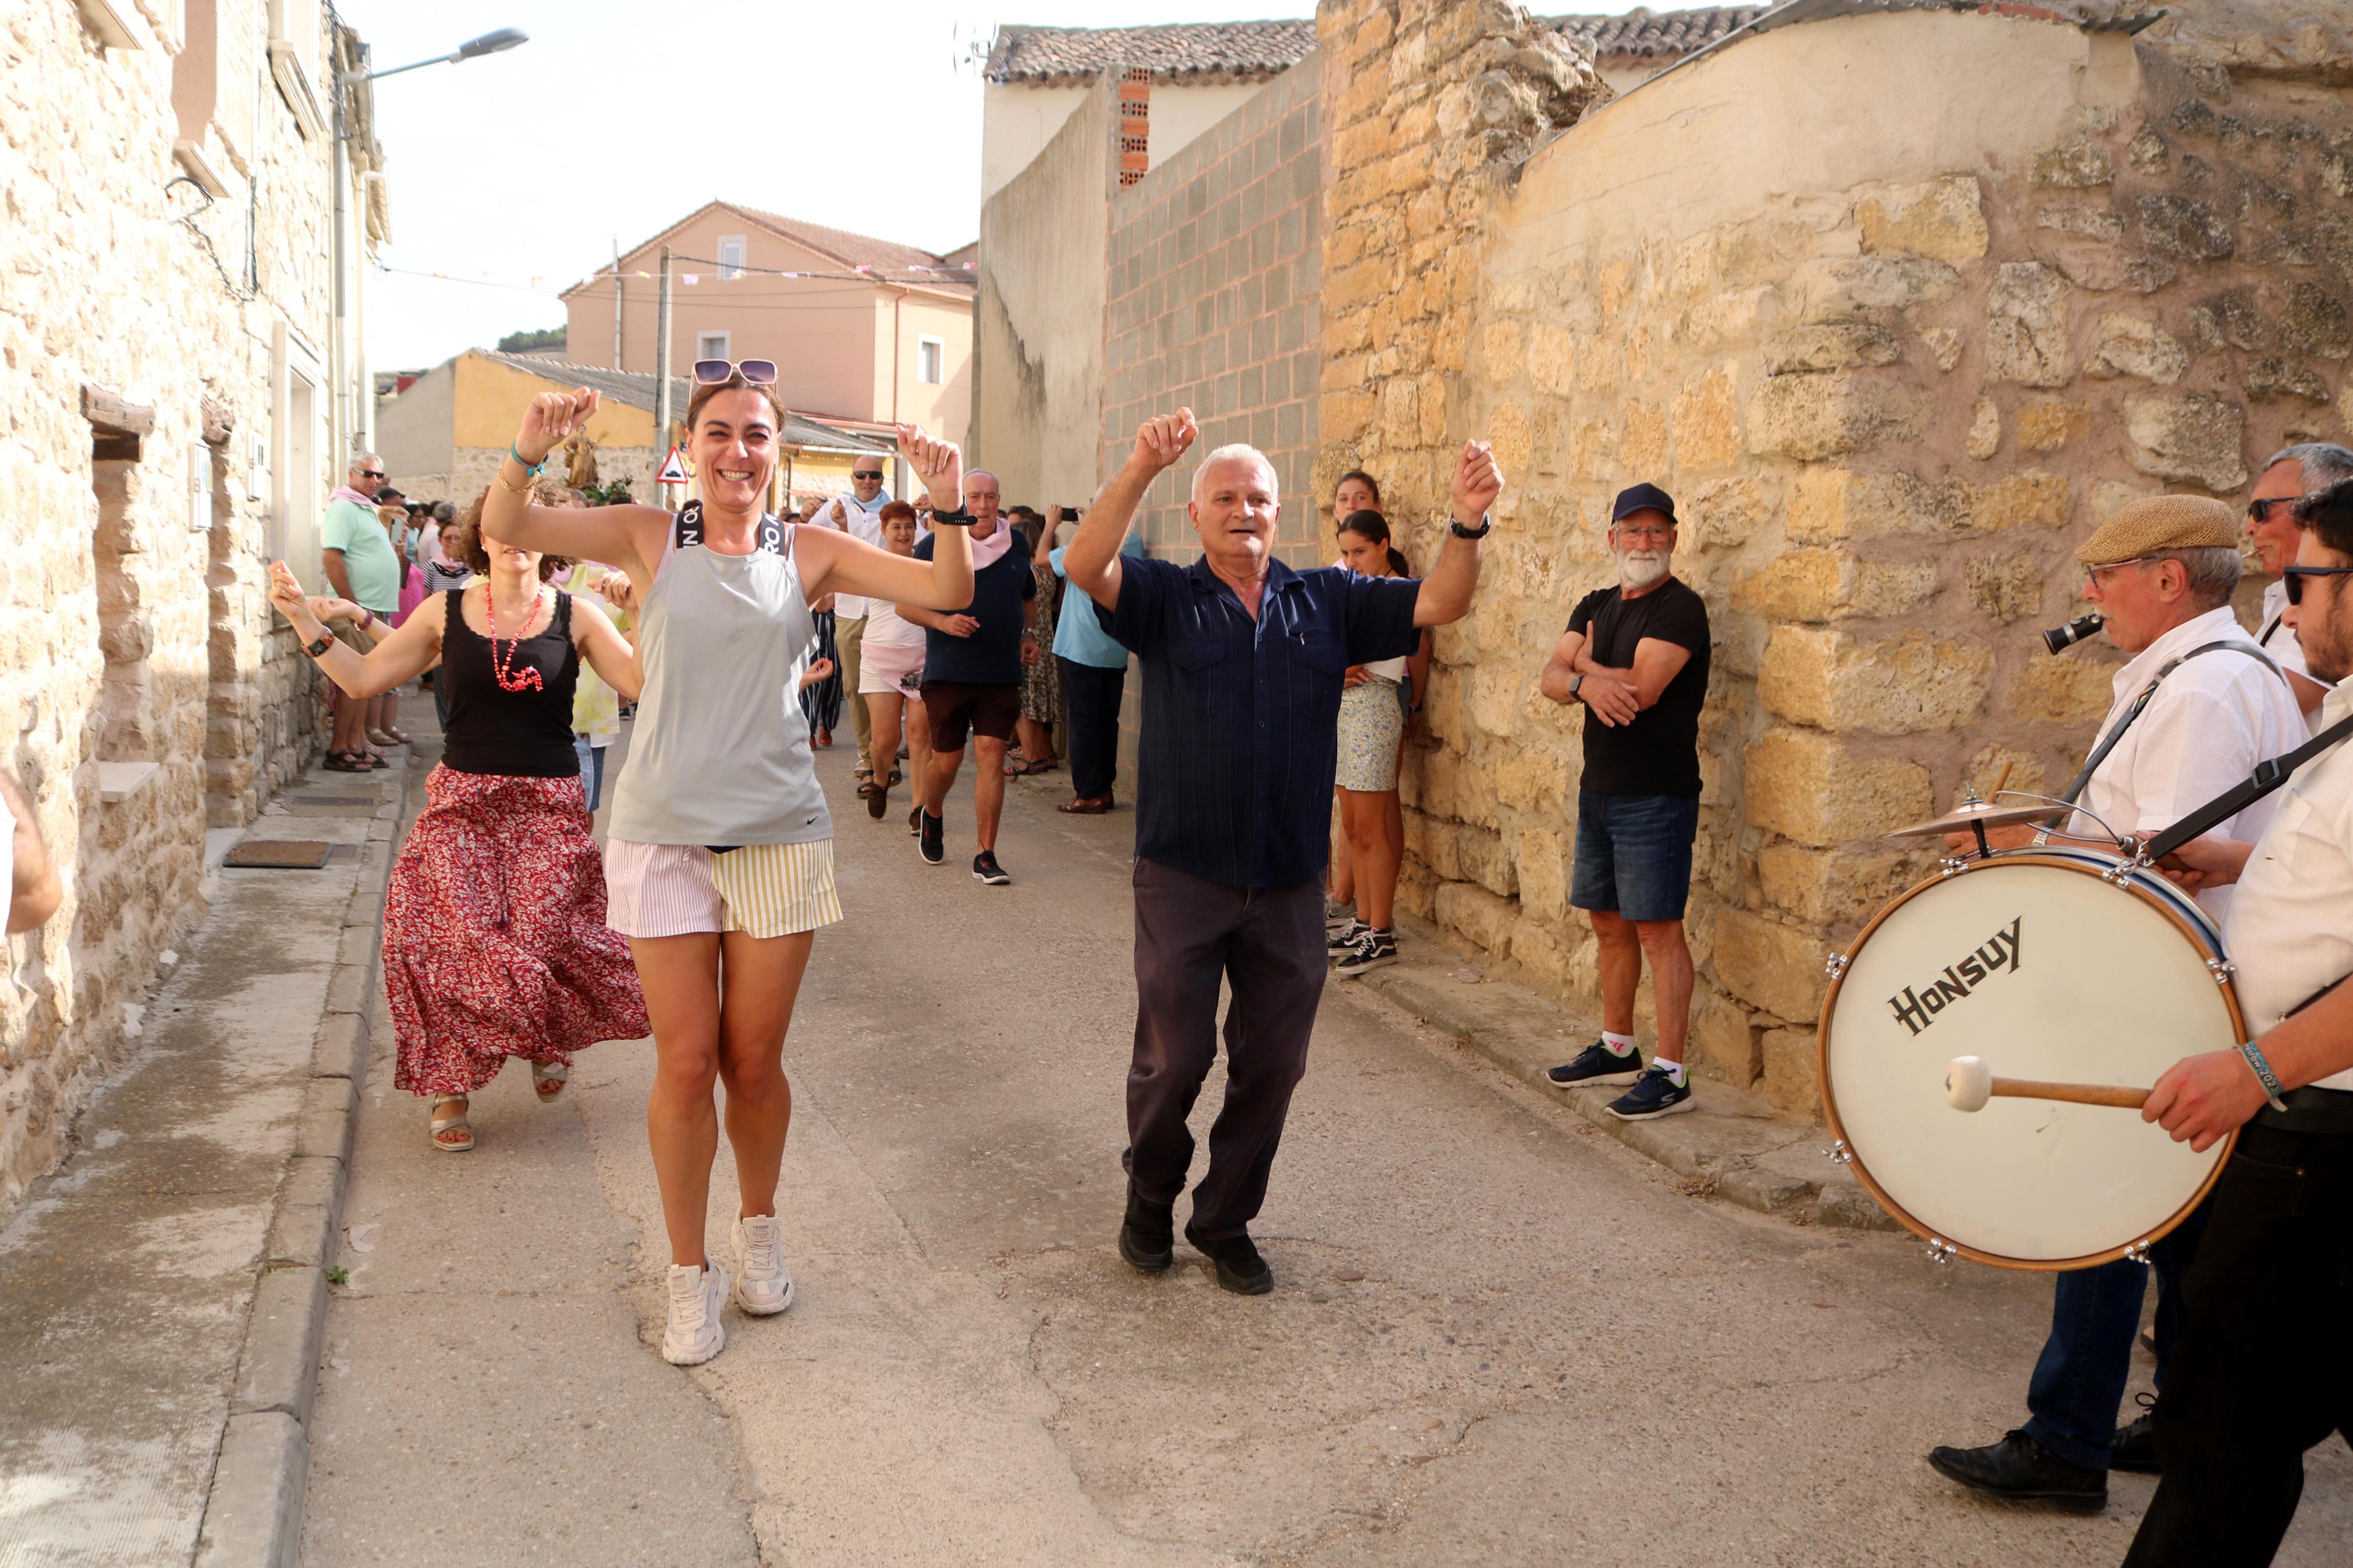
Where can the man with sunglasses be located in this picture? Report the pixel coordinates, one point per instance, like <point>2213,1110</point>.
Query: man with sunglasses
<point>859,514</point>
<point>358,559</point>
<point>2197,707</point>
<point>2293,473</point>
<point>2254,1385</point>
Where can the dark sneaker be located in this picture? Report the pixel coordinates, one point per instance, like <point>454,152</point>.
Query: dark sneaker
<point>934,841</point>
<point>1337,917</point>
<point>1596,1063</point>
<point>1239,1267</point>
<point>2022,1470</point>
<point>1345,940</point>
<point>1655,1093</point>
<point>985,868</point>
<point>2133,1448</point>
<point>1147,1237</point>
<point>1374,950</point>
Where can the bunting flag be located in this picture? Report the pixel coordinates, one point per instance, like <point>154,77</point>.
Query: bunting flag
<point>692,277</point>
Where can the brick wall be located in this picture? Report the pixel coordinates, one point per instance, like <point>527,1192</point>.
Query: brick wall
<point>1213,261</point>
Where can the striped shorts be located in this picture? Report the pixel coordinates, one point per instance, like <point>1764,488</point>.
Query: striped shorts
<point>678,890</point>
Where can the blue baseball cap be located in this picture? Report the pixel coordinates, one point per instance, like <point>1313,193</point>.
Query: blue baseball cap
<point>1642,498</point>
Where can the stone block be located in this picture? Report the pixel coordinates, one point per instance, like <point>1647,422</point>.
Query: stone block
<point>2006,589</point>
<point>2047,423</point>
<point>1863,288</point>
<point>1486,860</point>
<point>1816,789</point>
<point>2030,500</point>
<point>341,1049</point>
<point>2274,377</point>
<point>1823,413</point>
<point>1478,916</point>
<point>1792,1077</point>
<point>1552,358</point>
<point>1837,346</point>
<point>1945,345</point>
<point>1707,422</point>
<point>1827,505</point>
<point>1833,890</point>
<point>1997,768</point>
<point>2026,325</point>
<point>2069,690</point>
<point>2193,438</point>
<point>1942,219</point>
<point>2135,346</point>
<point>1642,438</point>
<point>1723,1042</point>
<point>1774,967</point>
<point>1984,438</point>
<point>253,1513</point>
<point>1722,513</point>
<point>1532,777</point>
<point>302,1226</point>
<point>1546,863</point>
<point>1901,685</point>
<point>1832,585</point>
<point>2078,167</point>
<point>324,1127</point>
<point>2177,225</point>
<point>2312,321</point>
<point>279,1369</point>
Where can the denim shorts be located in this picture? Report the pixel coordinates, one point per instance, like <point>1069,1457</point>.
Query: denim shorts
<point>1634,854</point>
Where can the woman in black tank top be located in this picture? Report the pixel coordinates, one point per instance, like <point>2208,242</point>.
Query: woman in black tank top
<point>494,937</point>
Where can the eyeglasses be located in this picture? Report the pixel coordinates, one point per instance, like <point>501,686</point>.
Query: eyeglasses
<point>718,371</point>
<point>2292,578</point>
<point>2097,573</point>
<point>1647,532</point>
<point>2259,511</point>
<point>865,473</point>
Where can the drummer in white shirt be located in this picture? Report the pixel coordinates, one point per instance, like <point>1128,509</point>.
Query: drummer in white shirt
<point>2293,473</point>
<point>859,515</point>
<point>2162,570</point>
<point>2256,1381</point>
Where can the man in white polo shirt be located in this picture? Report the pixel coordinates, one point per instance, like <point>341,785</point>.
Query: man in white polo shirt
<point>2260,1375</point>
<point>2293,473</point>
<point>860,514</point>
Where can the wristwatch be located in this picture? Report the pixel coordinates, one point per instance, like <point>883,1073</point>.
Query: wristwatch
<point>1575,682</point>
<point>1460,531</point>
<point>326,640</point>
<point>957,519</point>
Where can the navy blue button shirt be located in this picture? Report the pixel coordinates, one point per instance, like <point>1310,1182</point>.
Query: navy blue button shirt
<point>1240,735</point>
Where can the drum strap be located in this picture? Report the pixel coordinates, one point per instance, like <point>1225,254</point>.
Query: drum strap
<point>2108,741</point>
<point>2268,776</point>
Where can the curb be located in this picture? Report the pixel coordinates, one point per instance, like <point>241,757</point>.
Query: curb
<point>253,1509</point>
<point>1772,1166</point>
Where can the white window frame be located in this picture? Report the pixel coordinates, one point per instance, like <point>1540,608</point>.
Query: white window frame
<point>296,62</point>
<point>200,488</point>
<point>731,270</point>
<point>725,339</point>
<point>297,440</point>
<point>939,347</point>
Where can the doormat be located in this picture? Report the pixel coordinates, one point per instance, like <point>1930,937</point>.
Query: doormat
<point>281,853</point>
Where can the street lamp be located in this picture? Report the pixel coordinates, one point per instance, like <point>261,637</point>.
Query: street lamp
<point>499,42</point>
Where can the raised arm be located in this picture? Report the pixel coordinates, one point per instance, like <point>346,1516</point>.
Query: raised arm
<point>35,889</point>
<point>392,663</point>
<point>1090,564</point>
<point>629,537</point>
<point>1445,592</point>
<point>837,563</point>
<point>608,653</point>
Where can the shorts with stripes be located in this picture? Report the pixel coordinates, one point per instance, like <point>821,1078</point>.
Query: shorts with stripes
<point>678,890</point>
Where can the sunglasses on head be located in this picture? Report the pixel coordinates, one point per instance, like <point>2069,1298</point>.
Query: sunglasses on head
<point>718,372</point>
<point>2292,578</point>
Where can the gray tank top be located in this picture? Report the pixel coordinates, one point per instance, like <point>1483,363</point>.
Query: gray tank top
<point>720,755</point>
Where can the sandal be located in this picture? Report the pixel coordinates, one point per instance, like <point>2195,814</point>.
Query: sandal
<point>348,762</point>
<point>1024,768</point>
<point>547,1081</point>
<point>897,778</point>
<point>862,774</point>
<point>379,738</point>
<point>440,1127</point>
<point>397,737</point>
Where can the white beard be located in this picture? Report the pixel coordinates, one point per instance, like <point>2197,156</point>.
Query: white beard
<point>1635,572</point>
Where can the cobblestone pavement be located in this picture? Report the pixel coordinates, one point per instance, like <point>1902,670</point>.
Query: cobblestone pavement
<point>1497,1336</point>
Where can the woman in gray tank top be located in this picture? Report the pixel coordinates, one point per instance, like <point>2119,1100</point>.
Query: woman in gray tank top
<point>722,848</point>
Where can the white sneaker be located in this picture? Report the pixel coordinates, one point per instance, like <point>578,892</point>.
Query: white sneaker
<point>764,1286</point>
<point>694,1335</point>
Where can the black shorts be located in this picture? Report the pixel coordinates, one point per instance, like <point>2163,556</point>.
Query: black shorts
<point>956,706</point>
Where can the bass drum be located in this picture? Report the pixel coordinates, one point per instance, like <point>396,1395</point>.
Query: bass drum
<point>2063,965</point>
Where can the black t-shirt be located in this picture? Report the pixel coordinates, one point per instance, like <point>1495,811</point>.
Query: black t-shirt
<point>991,655</point>
<point>1658,753</point>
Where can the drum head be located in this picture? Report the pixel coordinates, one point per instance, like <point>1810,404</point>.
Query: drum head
<point>2045,970</point>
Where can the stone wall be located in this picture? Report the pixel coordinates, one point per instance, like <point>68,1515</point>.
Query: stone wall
<point>138,654</point>
<point>1895,349</point>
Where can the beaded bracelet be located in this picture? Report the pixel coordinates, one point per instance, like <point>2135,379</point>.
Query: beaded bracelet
<point>2263,1074</point>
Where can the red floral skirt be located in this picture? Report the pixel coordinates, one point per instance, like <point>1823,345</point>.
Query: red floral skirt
<point>494,936</point>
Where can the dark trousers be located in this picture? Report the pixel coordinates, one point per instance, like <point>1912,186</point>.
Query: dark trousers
<point>2261,1374</point>
<point>2079,1380</point>
<point>1267,944</point>
<point>1091,708</point>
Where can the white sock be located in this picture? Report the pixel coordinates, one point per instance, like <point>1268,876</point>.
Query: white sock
<point>1675,1070</point>
<point>1620,1045</point>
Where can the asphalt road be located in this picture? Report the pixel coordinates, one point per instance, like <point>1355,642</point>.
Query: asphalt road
<point>1496,1337</point>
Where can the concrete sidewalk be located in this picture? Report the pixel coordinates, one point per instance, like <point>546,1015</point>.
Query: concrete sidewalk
<point>160,1297</point>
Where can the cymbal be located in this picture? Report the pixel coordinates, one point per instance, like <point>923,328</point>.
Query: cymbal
<point>1981,813</point>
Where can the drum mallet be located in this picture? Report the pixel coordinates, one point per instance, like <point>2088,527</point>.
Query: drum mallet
<point>1970,1083</point>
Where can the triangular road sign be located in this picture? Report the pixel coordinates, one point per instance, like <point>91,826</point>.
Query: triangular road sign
<point>673,469</point>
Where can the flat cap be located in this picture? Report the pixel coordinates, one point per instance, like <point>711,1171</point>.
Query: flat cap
<point>2161,522</point>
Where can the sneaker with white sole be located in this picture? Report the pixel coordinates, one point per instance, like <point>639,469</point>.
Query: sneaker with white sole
<point>1377,949</point>
<point>1343,941</point>
<point>764,1286</point>
<point>693,1334</point>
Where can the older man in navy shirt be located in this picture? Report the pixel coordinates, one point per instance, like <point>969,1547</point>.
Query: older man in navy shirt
<point>1242,665</point>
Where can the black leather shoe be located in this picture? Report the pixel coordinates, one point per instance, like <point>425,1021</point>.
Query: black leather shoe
<point>1239,1267</point>
<point>2133,1448</point>
<point>1148,1238</point>
<point>2024,1470</point>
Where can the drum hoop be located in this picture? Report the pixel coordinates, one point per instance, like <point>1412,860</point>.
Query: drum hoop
<point>2195,937</point>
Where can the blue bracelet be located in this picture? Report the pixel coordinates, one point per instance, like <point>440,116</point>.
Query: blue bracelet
<point>2263,1074</point>
<point>531,468</point>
